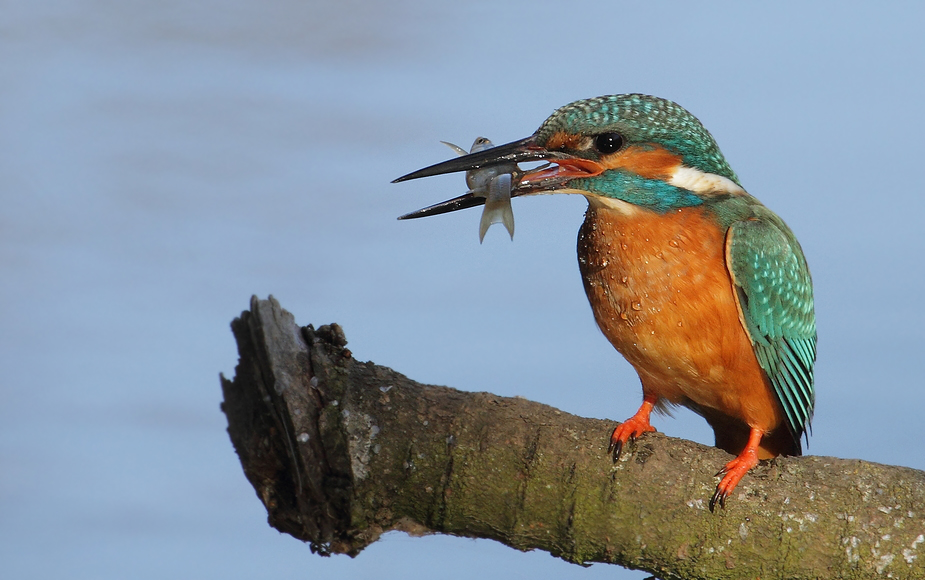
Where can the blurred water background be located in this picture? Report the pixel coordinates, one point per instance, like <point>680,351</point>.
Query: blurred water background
<point>160,162</point>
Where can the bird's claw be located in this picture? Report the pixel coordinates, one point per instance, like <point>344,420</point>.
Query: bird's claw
<point>616,446</point>
<point>732,473</point>
<point>625,432</point>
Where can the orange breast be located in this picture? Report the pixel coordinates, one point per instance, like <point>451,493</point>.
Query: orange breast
<point>660,292</point>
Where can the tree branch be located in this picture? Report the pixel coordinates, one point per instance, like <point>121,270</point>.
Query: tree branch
<point>340,451</point>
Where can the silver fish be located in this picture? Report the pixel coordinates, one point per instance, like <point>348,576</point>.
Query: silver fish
<point>494,184</point>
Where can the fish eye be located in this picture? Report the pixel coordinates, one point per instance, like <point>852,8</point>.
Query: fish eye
<point>608,142</point>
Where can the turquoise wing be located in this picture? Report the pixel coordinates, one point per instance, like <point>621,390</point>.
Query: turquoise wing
<point>775,296</point>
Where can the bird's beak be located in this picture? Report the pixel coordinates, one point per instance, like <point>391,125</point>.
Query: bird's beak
<point>540,180</point>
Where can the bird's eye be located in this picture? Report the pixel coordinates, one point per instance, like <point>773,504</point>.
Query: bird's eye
<point>608,142</point>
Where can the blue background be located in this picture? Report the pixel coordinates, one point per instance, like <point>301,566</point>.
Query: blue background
<point>160,162</point>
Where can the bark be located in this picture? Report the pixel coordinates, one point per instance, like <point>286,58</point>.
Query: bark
<point>340,451</point>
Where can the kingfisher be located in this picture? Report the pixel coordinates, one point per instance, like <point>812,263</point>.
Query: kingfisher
<point>704,290</point>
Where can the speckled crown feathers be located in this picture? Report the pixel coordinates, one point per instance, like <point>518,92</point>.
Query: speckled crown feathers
<point>642,119</point>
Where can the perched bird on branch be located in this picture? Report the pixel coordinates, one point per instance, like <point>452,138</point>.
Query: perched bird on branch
<point>704,290</point>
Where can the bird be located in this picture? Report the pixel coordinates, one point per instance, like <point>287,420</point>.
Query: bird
<point>704,290</point>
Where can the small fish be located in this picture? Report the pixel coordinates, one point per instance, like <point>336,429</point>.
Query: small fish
<point>494,184</point>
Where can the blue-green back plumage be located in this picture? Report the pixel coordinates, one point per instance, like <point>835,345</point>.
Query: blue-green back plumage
<point>775,294</point>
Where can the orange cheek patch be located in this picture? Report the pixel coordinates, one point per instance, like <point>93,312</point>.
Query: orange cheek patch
<point>649,162</point>
<point>562,140</point>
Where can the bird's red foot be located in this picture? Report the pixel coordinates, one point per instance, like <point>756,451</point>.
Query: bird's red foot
<point>736,469</point>
<point>631,428</point>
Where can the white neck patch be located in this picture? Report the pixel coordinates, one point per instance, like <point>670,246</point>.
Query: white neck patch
<point>703,183</point>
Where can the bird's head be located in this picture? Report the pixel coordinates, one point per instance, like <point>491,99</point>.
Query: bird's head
<point>625,151</point>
